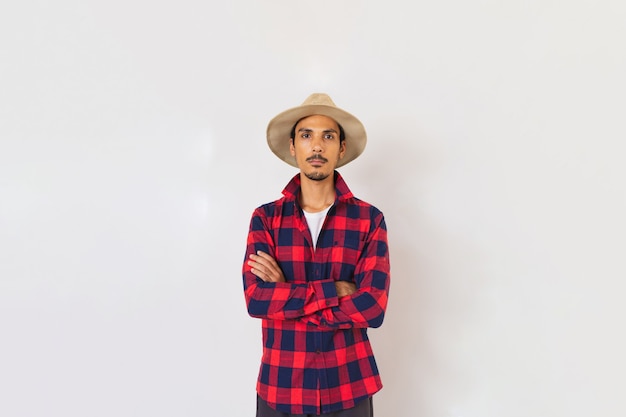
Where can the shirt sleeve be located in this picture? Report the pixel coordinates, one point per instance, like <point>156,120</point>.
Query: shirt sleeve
<point>280,300</point>
<point>366,307</point>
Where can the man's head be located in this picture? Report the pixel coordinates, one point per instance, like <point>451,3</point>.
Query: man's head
<point>317,146</point>
<point>282,132</point>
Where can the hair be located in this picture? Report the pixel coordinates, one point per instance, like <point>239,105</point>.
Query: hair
<point>292,135</point>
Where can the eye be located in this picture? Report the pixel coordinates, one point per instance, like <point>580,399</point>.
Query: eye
<point>329,136</point>
<point>305,135</point>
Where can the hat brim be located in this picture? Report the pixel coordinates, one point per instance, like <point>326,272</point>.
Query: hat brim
<point>279,130</point>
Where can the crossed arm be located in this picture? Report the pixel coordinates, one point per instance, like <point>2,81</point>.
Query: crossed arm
<point>265,267</point>
<point>326,303</point>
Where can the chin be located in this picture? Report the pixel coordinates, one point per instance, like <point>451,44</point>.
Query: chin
<point>316,176</point>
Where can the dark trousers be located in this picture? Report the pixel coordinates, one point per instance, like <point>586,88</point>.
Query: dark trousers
<point>361,409</point>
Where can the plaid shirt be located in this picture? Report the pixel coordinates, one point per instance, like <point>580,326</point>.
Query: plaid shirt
<point>316,354</point>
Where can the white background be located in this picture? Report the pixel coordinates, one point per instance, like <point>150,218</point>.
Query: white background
<point>132,153</point>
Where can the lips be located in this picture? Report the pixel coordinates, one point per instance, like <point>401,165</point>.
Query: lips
<point>316,159</point>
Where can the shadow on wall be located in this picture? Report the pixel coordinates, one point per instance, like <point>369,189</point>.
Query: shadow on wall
<point>432,307</point>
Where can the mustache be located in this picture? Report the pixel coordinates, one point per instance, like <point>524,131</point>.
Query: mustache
<point>317,157</point>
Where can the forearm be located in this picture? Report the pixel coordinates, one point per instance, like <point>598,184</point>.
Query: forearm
<point>288,301</point>
<point>366,307</point>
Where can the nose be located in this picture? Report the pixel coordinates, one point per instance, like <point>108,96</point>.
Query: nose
<point>317,144</point>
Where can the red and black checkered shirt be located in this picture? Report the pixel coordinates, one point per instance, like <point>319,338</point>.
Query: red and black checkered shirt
<point>316,354</point>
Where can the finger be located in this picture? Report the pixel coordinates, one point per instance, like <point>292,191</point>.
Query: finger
<point>266,264</point>
<point>267,274</point>
<point>261,268</point>
<point>266,257</point>
<point>261,274</point>
<point>262,260</point>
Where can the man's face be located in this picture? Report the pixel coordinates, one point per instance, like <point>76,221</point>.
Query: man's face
<point>316,146</point>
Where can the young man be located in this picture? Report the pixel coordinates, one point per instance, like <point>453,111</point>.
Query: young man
<point>317,272</point>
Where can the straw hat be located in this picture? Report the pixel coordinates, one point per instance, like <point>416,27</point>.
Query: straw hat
<point>279,128</point>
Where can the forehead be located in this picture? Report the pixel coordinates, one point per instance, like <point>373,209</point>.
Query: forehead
<point>317,121</point>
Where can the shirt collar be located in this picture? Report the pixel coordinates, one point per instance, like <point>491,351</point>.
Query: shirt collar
<point>293,188</point>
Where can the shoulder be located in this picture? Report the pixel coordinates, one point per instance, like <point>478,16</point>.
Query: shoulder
<point>363,209</point>
<point>270,209</point>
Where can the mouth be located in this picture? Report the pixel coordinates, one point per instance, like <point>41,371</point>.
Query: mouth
<point>316,160</point>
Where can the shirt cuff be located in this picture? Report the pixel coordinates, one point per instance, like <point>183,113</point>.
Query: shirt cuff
<point>325,293</point>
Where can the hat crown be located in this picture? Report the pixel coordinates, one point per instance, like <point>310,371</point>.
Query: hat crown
<point>317,99</point>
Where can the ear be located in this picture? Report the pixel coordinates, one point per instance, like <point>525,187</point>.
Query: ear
<point>342,149</point>
<point>292,149</point>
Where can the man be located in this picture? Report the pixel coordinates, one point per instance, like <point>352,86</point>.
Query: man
<point>317,272</point>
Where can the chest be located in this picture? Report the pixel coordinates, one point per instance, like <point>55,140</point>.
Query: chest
<point>339,247</point>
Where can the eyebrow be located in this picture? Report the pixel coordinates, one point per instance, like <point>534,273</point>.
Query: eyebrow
<point>306,129</point>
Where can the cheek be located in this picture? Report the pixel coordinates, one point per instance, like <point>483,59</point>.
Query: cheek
<point>301,149</point>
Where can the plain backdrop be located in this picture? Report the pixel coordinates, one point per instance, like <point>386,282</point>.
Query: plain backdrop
<point>133,152</point>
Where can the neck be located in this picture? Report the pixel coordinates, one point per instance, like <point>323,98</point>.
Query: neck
<point>316,195</point>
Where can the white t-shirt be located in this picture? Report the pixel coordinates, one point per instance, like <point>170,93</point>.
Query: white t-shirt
<point>315,222</point>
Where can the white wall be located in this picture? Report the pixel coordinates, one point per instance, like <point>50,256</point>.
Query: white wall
<point>132,153</point>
